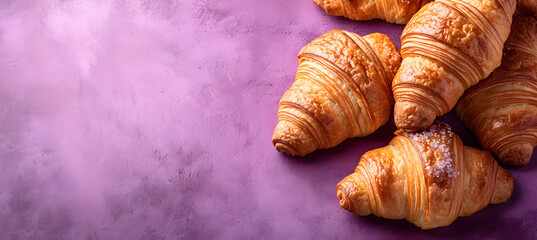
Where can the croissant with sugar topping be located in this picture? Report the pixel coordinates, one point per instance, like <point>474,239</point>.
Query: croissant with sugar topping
<point>447,47</point>
<point>342,90</point>
<point>428,178</point>
<point>502,109</point>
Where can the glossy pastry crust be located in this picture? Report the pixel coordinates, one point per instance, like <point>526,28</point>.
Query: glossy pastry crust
<point>428,178</point>
<point>502,109</point>
<point>394,11</point>
<point>342,90</point>
<point>448,46</point>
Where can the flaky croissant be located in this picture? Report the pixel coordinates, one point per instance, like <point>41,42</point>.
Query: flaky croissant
<point>502,109</point>
<point>394,11</point>
<point>342,90</point>
<point>448,46</point>
<point>428,178</point>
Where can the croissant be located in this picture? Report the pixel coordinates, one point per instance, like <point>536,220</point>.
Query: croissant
<point>394,11</point>
<point>502,109</point>
<point>428,178</point>
<point>528,7</point>
<point>342,90</point>
<point>448,46</point>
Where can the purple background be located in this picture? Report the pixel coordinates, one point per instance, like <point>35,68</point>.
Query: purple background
<point>153,120</point>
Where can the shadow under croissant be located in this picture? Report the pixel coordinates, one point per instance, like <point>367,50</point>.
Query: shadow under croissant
<point>460,129</point>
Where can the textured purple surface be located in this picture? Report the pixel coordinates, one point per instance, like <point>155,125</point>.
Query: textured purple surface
<point>153,120</point>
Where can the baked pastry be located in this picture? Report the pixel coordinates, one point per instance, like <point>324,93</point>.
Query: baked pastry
<point>342,90</point>
<point>502,109</point>
<point>428,178</point>
<point>448,46</point>
<point>394,11</point>
<point>528,7</point>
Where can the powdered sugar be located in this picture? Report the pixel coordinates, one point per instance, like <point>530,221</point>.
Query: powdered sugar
<point>436,140</point>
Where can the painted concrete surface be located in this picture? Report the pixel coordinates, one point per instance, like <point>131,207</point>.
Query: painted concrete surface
<point>153,120</point>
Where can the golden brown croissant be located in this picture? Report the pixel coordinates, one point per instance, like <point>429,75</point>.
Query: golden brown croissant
<point>342,90</point>
<point>502,109</point>
<point>528,7</point>
<point>428,178</point>
<point>394,11</point>
<point>448,46</point>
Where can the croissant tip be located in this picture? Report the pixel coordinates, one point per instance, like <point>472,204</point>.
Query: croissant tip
<point>284,147</point>
<point>344,201</point>
<point>504,186</point>
<point>413,118</point>
<point>414,126</point>
<point>516,156</point>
